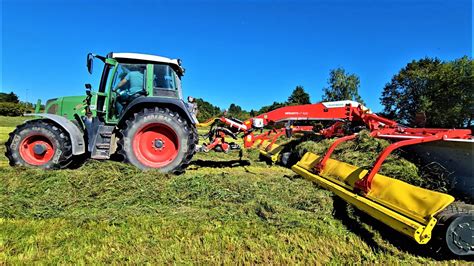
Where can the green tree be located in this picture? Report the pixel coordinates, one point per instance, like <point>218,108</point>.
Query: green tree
<point>443,91</point>
<point>206,110</point>
<point>234,109</point>
<point>8,97</point>
<point>11,109</point>
<point>298,96</point>
<point>273,106</point>
<point>342,86</point>
<point>253,113</point>
<point>237,112</point>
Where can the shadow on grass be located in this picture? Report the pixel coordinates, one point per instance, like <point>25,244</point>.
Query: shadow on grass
<point>220,164</point>
<point>354,220</point>
<point>293,177</point>
<point>341,212</point>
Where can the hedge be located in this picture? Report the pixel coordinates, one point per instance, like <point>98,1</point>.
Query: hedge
<point>12,109</point>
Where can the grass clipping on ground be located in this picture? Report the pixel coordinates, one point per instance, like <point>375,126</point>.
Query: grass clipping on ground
<point>221,211</point>
<point>364,150</point>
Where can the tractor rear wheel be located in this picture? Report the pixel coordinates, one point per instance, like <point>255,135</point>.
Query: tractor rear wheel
<point>39,143</point>
<point>158,138</point>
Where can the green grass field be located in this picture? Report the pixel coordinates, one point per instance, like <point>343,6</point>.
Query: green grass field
<point>222,210</point>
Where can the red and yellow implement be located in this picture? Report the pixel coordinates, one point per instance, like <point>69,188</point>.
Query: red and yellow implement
<point>406,208</point>
<point>206,123</point>
<point>409,209</point>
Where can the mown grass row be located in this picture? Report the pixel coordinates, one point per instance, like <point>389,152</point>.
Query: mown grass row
<point>111,212</point>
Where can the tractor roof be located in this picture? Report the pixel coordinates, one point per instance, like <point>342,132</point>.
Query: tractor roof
<point>175,63</point>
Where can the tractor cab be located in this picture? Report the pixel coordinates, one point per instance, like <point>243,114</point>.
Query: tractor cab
<point>129,76</point>
<point>137,115</point>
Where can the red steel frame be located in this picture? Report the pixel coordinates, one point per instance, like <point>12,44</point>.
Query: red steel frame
<point>219,140</point>
<point>250,139</point>
<point>412,138</point>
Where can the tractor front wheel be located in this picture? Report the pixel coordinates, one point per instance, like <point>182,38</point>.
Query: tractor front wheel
<point>157,138</point>
<point>39,143</point>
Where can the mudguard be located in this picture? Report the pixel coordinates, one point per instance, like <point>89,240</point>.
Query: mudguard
<point>77,138</point>
<point>176,105</point>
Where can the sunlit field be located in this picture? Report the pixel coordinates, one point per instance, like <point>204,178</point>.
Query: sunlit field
<point>222,210</point>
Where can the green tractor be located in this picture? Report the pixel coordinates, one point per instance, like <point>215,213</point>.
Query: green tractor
<point>137,115</point>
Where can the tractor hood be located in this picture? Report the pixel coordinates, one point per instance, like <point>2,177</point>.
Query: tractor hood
<point>66,106</point>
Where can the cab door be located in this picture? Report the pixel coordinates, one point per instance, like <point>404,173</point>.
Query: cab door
<point>126,84</point>
<point>102,100</point>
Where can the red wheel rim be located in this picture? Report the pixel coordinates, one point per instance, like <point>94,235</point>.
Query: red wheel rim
<point>155,145</point>
<point>36,150</point>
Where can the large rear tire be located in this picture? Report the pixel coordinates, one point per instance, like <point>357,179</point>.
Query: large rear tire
<point>39,143</point>
<point>158,138</point>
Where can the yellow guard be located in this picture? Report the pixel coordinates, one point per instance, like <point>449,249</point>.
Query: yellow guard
<point>406,208</point>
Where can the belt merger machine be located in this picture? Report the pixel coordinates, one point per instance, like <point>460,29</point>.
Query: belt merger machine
<point>411,210</point>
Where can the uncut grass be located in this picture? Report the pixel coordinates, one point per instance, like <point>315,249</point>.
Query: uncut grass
<point>245,212</point>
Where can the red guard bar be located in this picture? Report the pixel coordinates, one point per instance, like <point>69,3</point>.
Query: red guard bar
<point>366,183</point>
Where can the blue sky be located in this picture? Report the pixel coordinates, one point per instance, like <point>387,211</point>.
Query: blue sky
<point>246,52</point>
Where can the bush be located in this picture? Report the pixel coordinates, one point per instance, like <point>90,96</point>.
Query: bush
<point>11,109</point>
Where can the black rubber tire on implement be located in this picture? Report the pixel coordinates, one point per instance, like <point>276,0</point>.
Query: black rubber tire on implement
<point>58,138</point>
<point>185,135</point>
<point>288,159</point>
<point>455,229</point>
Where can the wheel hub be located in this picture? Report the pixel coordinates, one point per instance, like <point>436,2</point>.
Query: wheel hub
<point>460,235</point>
<point>36,150</point>
<point>159,144</point>
<point>155,145</point>
<point>39,149</point>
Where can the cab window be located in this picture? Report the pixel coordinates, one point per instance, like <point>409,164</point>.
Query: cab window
<point>129,78</point>
<point>164,77</point>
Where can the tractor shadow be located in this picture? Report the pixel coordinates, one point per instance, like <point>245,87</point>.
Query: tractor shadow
<point>219,164</point>
<point>366,227</point>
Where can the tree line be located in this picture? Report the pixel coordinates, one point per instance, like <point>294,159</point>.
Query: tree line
<point>441,93</point>
<point>10,105</point>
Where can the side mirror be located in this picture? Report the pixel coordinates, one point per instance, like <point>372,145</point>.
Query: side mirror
<point>88,88</point>
<point>90,63</point>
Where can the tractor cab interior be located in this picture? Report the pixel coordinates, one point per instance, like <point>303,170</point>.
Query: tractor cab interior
<point>128,84</point>
<point>165,81</point>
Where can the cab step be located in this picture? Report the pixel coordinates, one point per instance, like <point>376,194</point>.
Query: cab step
<point>102,142</point>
